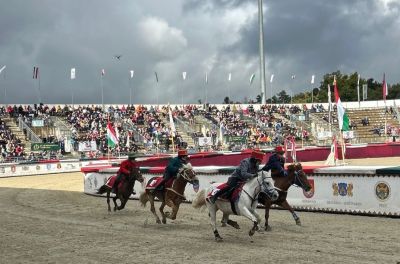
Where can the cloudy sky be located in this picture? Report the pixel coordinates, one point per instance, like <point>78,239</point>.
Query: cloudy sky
<point>302,38</point>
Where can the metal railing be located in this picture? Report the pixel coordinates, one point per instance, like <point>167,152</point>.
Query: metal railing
<point>28,131</point>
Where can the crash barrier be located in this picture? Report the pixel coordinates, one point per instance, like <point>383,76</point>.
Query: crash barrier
<point>346,189</point>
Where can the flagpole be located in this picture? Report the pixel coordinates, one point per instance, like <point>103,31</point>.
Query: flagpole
<point>358,91</point>
<point>102,91</point>
<point>205,90</point>
<point>131,90</point>
<point>40,95</point>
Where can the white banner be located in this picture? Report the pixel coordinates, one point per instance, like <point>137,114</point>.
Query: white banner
<point>87,146</point>
<point>205,141</point>
<point>324,135</point>
<point>348,134</point>
<point>37,123</point>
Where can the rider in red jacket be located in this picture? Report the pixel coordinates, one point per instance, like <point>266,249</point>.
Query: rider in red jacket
<point>125,169</point>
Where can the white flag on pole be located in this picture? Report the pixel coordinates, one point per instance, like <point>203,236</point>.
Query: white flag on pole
<point>184,75</point>
<point>206,78</point>
<point>2,68</point>
<point>229,76</point>
<point>252,78</point>
<point>272,78</point>
<point>293,76</point>
<point>312,79</point>
<point>132,73</point>
<point>171,122</point>
<point>72,73</point>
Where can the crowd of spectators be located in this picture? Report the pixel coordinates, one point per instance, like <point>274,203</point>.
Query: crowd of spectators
<point>148,128</point>
<point>11,147</point>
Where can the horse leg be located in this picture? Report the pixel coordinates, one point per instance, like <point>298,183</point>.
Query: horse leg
<point>212,209</point>
<point>287,206</point>
<point>153,209</point>
<point>163,215</point>
<point>247,213</point>
<point>115,203</point>
<point>108,201</point>
<point>267,206</point>
<point>123,203</point>
<point>254,212</point>
<point>225,219</point>
<point>175,208</point>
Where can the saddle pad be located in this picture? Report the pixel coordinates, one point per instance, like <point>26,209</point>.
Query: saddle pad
<point>234,196</point>
<point>111,180</point>
<point>151,185</point>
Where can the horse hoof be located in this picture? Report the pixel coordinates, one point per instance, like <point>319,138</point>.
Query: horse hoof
<point>164,221</point>
<point>158,221</point>
<point>251,232</point>
<point>267,228</point>
<point>115,209</point>
<point>298,223</point>
<point>218,239</point>
<point>223,224</point>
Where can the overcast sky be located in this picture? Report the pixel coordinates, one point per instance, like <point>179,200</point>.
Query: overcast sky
<point>302,38</point>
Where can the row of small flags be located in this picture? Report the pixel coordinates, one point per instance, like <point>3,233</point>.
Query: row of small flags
<point>36,75</point>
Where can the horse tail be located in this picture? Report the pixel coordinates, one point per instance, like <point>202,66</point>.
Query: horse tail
<point>143,198</point>
<point>103,189</point>
<point>200,200</point>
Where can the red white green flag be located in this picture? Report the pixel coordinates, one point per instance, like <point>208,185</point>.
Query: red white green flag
<point>342,116</point>
<point>112,139</point>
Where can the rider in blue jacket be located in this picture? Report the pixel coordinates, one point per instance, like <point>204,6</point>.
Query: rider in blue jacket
<point>247,169</point>
<point>173,167</point>
<point>276,163</point>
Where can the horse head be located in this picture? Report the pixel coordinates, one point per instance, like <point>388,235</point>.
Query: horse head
<point>300,178</point>
<point>136,175</point>
<point>187,173</point>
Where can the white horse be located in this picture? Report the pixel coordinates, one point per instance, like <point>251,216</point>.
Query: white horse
<point>245,205</point>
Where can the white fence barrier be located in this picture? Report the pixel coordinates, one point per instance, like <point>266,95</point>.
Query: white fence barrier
<point>333,190</point>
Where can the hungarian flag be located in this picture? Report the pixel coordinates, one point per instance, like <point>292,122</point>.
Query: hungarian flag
<point>384,88</point>
<point>112,138</point>
<point>342,116</point>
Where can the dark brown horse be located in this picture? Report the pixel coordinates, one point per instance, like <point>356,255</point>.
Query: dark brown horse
<point>123,191</point>
<point>173,196</point>
<point>296,176</point>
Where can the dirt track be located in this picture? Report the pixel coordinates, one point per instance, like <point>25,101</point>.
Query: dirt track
<point>47,219</point>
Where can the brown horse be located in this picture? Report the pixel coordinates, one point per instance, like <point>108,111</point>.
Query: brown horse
<point>173,196</point>
<point>123,191</point>
<point>296,176</point>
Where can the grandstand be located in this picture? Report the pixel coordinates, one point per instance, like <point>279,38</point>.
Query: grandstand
<point>62,131</point>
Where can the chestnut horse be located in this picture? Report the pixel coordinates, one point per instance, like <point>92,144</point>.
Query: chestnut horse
<point>173,196</point>
<point>296,176</point>
<point>124,190</point>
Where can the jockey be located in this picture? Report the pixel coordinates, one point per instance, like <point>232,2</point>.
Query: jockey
<point>171,171</point>
<point>125,169</point>
<point>247,169</point>
<point>276,162</point>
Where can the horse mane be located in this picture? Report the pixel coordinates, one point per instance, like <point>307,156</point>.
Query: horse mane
<point>187,166</point>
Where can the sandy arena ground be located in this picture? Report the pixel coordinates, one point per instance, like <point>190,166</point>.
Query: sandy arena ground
<point>47,219</point>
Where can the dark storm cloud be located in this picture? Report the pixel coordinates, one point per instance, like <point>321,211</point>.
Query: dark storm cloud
<point>215,36</point>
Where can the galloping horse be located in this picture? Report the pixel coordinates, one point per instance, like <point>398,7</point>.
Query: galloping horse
<point>245,204</point>
<point>173,196</point>
<point>124,190</point>
<point>296,176</point>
